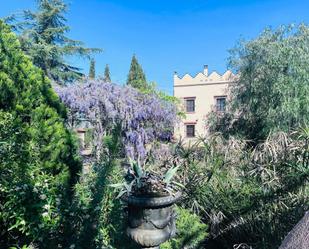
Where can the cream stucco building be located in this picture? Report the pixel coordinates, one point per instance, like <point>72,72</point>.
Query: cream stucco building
<point>199,95</point>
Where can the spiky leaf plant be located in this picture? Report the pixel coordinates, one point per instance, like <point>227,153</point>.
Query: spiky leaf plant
<point>249,196</point>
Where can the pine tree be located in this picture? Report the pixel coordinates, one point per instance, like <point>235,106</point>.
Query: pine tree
<point>43,37</point>
<point>136,77</point>
<point>92,69</point>
<point>107,77</point>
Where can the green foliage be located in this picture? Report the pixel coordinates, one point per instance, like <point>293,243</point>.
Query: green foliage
<point>97,216</point>
<point>23,247</point>
<point>107,77</point>
<point>137,168</point>
<point>92,69</point>
<point>136,77</point>
<point>256,196</point>
<point>170,174</point>
<point>152,89</point>
<point>248,195</point>
<point>89,136</point>
<point>146,180</point>
<point>38,161</point>
<point>273,87</point>
<point>42,35</point>
<point>191,231</point>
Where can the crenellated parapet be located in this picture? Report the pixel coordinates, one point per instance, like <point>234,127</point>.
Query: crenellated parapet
<point>200,95</point>
<point>204,78</point>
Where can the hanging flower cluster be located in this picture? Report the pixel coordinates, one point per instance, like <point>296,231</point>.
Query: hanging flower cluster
<point>143,118</point>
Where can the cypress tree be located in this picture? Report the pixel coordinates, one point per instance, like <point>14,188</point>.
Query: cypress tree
<point>43,37</point>
<point>136,77</point>
<point>92,69</point>
<point>107,77</point>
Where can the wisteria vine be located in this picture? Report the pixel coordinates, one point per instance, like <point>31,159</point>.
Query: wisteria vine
<point>143,118</point>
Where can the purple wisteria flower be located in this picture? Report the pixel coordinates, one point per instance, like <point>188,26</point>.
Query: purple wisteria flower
<point>143,118</point>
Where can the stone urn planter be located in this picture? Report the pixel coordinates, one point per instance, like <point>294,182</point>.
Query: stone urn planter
<point>151,220</point>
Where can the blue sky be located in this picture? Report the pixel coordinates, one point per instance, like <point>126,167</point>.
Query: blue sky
<point>168,35</point>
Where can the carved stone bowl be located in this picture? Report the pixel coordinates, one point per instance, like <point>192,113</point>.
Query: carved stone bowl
<point>151,220</point>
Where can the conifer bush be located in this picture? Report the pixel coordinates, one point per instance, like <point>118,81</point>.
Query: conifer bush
<point>38,160</point>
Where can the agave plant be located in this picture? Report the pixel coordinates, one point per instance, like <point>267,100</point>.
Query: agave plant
<point>142,182</point>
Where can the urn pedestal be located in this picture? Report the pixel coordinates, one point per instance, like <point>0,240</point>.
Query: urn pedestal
<point>151,220</point>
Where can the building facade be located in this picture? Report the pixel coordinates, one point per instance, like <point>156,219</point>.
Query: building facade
<point>200,95</point>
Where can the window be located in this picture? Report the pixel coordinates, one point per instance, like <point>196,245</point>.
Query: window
<point>190,130</point>
<point>220,104</point>
<point>190,105</point>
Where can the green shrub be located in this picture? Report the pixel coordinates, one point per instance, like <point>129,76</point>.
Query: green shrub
<point>248,195</point>
<point>190,231</point>
<point>38,160</point>
<point>272,89</point>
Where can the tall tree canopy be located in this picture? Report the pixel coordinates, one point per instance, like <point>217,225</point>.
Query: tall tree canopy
<point>136,77</point>
<point>273,86</point>
<point>92,69</point>
<point>43,37</point>
<point>38,160</point>
<point>107,77</point>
